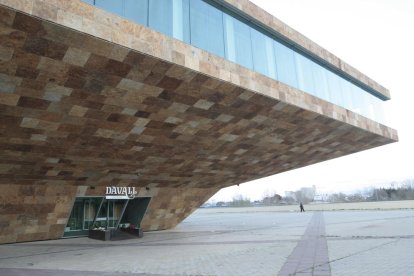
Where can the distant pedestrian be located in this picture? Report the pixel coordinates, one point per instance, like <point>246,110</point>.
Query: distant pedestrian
<point>301,207</point>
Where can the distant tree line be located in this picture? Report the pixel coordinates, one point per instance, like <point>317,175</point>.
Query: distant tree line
<point>396,191</point>
<point>403,192</point>
<point>239,201</point>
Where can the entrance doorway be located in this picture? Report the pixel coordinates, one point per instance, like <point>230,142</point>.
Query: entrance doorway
<point>84,214</point>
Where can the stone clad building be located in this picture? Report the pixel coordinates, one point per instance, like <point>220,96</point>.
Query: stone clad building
<point>175,98</point>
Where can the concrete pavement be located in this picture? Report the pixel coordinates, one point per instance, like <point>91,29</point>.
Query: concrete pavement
<point>216,242</point>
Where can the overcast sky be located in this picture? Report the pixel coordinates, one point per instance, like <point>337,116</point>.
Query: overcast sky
<point>377,38</point>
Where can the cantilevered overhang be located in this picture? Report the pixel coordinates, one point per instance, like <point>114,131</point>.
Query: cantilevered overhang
<point>88,98</point>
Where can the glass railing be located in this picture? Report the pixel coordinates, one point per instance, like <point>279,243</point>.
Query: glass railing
<point>208,26</point>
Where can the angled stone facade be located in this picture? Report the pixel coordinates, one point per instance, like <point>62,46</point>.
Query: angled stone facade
<point>88,99</point>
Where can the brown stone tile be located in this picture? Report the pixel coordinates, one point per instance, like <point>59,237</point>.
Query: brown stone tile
<point>154,101</point>
<point>26,59</point>
<point>94,86</point>
<point>96,63</point>
<point>36,45</point>
<point>133,58</point>
<point>77,72</point>
<point>97,45</point>
<point>13,38</point>
<point>109,80</point>
<point>34,103</point>
<point>54,68</point>
<point>27,72</point>
<point>121,118</point>
<point>117,68</point>
<point>96,114</point>
<point>142,114</point>
<point>56,50</point>
<point>7,16</point>
<point>75,82</point>
<point>138,74</point>
<point>169,83</point>
<point>27,23</point>
<point>8,67</point>
<point>162,67</point>
<point>6,53</point>
<point>153,79</point>
<point>183,99</point>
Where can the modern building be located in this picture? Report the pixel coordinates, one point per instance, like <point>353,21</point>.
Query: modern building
<point>176,99</point>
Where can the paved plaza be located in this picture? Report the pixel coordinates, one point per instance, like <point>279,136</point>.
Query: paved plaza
<point>220,242</point>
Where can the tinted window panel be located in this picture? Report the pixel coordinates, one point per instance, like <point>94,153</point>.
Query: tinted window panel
<point>181,20</point>
<point>263,54</point>
<point>285,64</point>
<point>170,17</point>
<point>160,16</point>
<point>111,6</point>
<point>304,70</point>
<point>320,81</point>
<point>238,42</point>
<point>335,88</point>
<point>207,31</point>
<point>346,94</point>
<point>137,10</point>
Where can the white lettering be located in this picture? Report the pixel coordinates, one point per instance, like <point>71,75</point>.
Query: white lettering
<point>120,192</point>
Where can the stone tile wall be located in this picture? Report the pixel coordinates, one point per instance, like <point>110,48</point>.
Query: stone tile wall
<point>170,206</point>
<point>34,212</point>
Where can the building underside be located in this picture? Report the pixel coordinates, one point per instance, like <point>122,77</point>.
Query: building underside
<point>80,112</point>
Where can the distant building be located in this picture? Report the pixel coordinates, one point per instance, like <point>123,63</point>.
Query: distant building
<point>320,198</point>
<point>308,192</point>
<point>290,194</point>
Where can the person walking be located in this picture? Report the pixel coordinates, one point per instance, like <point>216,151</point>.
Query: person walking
<point>301,207</point>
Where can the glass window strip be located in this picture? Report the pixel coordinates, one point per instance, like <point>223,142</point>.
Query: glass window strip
<point>236,42</point>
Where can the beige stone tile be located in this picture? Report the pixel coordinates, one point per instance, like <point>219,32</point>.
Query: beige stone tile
<point>45,10</point>
<point>70,20</point>
<point>76,56</point>
<point>96,29</point>
<point>203,104</point>
<point>9,99</point>
<point>119,53</point>
<point>78,111</point>
<point>141,122</point>
<point>97,46</point>
<point>131,85</point>
<point>21,5</point>
<point>77,7</point>
<point>29,122</point>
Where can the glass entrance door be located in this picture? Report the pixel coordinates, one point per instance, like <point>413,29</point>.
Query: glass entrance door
<point>85,208</point>
<point>109,214</point>
<point>82,216</point>
<point>75,221</point>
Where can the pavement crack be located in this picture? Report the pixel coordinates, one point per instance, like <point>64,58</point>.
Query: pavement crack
<point>363,251</point>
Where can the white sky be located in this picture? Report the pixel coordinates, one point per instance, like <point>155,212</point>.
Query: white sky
<point>377,38</point>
